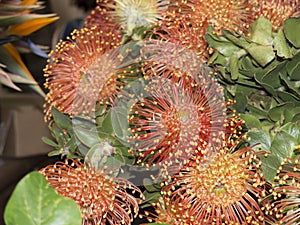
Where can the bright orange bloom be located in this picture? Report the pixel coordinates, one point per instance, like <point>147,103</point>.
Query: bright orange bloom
<point>82,72</point>
<point>224,190</point>
<point>102,198</point>
<point>277,11</point>
<point>181,111</point>
<point>101,17</point>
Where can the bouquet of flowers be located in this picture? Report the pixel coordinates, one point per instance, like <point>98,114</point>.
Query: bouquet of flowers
<point>181,112</point>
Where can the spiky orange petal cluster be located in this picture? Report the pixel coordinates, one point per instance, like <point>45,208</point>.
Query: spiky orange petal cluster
<point>101,17</point>
<point>182,108</point>
<point>102,199</point>
<point>225,190</point>
<point>82,71</point>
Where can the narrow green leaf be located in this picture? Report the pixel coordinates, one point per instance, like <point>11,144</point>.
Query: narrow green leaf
<point>35,202</point>
<point>48,141</point>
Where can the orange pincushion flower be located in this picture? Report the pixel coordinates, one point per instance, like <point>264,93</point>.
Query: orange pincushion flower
<point>286,193</point>
<point>182,29</point>
<point>277,11</point>
<point>101,17</point>
<point>224,190</point>
<point>82,71</point>
<point>181,111</point>
<point>102,199</point>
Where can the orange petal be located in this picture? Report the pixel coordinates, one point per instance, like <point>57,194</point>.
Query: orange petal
<point>28,2</point>
<point>15,54</point>
<point>28,27</point>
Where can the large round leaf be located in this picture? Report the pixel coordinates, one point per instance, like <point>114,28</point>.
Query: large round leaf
<point>35,202</point>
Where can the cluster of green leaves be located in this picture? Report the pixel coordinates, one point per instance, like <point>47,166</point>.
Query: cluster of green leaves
<point>262,72</point>
<point>94,140</point>
<point>279,143</point>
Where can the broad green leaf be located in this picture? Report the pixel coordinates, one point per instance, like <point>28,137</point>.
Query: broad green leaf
<point>292,30</point>
<point>261,31</point>
<point>283,145</point>
<point>61,119</point>
<point>293,67</point>
<point>86,136</point>
<point>260,137</point>
<point>292,129</point>
<point>35,202</point>
<point>276,113</point>
<point>272,78</point>
<point>281,46</point>
<point>221,44</point>
<point>270,166</point>
<point>262,54</point>
<point>251,121</point>
<point>293,86</point>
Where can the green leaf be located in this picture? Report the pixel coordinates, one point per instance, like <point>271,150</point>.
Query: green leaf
<point>292,30</point>
<point>283,145</point>
<point>260,137</point>
<point>262,54</point>
<point>281,46</point>
<point>119,122</point>
<point>86,136</point>
<point>35,202</point>
<point>270,166</point>
<point>293,67</point>
<point>251,121</point>
<point>261,31</point>
<point>276,113</point>
<point>234,66</point>
<point>61,120</point>
<point>48,141</point>
<point>224,46</point>
<point>292,129</point>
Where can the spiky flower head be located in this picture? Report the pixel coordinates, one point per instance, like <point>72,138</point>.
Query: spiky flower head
<point>102,198</point>
<point>182,108</point>
<point>225,190</point>
<point>101,16</point>
<point>182,29</point>
<point>277,11</point>
<point>82,71</point>
<point>286,193</point>
<point>132,14</point>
